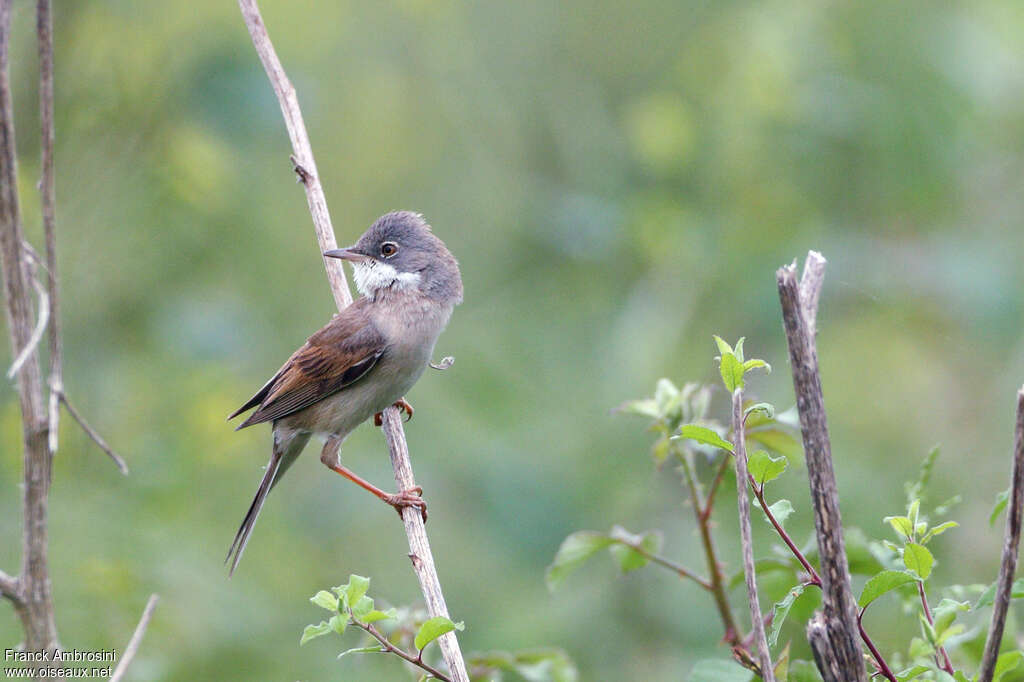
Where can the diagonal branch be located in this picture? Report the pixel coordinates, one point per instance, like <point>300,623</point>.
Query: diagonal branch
<point>834,633</point>
<point>93,434</point>
<point>305,167</point>
<point>136,640</point>
<point>1009,562</point>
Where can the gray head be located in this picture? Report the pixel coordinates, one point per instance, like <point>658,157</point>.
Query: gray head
<point>400,252</point>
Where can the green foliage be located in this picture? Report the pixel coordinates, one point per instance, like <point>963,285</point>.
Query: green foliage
<point>781,611</point>
<point>763,467</point>
<point>999,506</point>
<point>988,596</point>
<point>434,628</point>
<point>881,583</point>
<point>630,551</point>
<point>732,365</point>
<point>550,665</point>
<point>704,435</point>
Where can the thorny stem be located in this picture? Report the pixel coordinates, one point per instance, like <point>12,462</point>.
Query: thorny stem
<point>880,663</point>
<point>703,516</point>
<point>391,648</point>
<point>942,658</point>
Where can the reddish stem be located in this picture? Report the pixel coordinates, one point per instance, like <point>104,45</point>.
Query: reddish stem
<point>941,658</point>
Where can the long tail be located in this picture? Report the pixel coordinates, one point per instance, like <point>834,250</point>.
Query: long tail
<point>242,536</point>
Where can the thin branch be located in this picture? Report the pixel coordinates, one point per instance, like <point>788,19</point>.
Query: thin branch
<point>1008,566</point>
<point>678,569</point>
<point>42,318</point>
<point>883,667</point>
<point>36,615</point>
<point>388,646</point>
<point>9,587</point>
<point>48,203</point>
<point>305,166</point>
<point>93,434</point>
<point>759,493</point>
<point>136,640</point>
<point>941,657</point>
<point>835,634</point>
<point>746,538</point>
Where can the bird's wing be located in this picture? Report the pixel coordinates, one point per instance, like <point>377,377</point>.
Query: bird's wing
<point>335,357</point>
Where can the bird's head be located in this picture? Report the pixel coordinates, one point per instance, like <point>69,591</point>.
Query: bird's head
<point>400,252</point>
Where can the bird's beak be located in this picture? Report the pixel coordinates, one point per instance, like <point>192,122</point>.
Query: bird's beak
<point>349,253</point>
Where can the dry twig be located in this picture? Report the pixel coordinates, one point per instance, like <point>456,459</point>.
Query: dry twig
<point>305,167</point>
<point>1008,565</point>
<point>136,640</point>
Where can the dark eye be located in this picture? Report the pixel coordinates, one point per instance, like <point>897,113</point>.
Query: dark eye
<point>388,249</point>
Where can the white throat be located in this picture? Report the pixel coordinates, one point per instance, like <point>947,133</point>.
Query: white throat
<point>371,275</point>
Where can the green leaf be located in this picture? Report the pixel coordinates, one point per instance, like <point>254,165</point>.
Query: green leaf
<point>314,631</point>
<point>378,649</point>
<point>781,510</point>
<point>912,512</point>
<point>803,671</point>
<point>911,673</point>
<point>881,583</point>
<point>357,587</point>
<point>763,467</point>
<point>732,372</point>
<point>646,407</point>
<point>999,506</point>
<point>628,558</point>
<point>1005,663</point>
<point>989,595</point>
<point>901,524</point>
<point>338,623</point>
<point>723,347</point>
<point>363,606</point>
<point>703,434</point>
<point>738,349</point>
<point>325,600</point>
<point>767,408</point>
<point>946,612</point>
<point>374,615</point>
<point>719,670</point>
<point>666,396</point>
<point>575,549</point>
<point>755,364</point>
<point>918,559</point>
<point>434,628</point>
<point>781,611</point>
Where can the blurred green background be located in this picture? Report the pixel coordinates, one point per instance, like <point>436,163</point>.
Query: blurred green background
<point>619,181</point>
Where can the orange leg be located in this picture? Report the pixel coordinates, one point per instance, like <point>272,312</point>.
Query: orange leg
<point>413,497</point>
<point>401,404</point>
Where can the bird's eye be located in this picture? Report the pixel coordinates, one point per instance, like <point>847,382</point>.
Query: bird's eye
<point>388,249</point>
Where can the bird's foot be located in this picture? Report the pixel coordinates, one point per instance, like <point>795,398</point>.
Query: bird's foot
<point>412,497</point>
<point>402,405</point>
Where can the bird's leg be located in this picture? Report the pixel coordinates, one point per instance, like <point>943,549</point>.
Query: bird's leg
<point>401,404</point>
<point>413,497</point>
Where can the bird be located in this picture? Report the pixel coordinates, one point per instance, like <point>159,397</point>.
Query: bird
<point>365,359</point>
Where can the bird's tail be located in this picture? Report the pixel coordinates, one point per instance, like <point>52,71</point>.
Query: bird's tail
<point>283,456</point>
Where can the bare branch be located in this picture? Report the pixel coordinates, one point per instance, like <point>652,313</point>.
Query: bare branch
<point>34,579</point>
<point>42,318</point>
<point>386,645</point>
<point>838,622</point>
<point>305,167</point>
<point>93,434</point>
<point>136,640</point>
<point>746,538</point>
<point>1009,562</point>
<point>9,587</point>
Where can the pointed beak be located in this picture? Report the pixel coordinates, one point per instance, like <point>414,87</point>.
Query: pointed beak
<point>349,253</point>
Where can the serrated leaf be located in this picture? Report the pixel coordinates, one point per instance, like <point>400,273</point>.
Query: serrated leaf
<point>627,557</point>
<point>703,434</point>
<point>314,631</point>
<point>434,628</point>
<point>881,583</point>
<point>999,506</point>
<point>363,650</point>
<point>325,600</point>
<point>1005,663</point>
<point>357,587</point>
<point>719,670</point>
<point>918,559</point>
<point>338,623</point>
<point>988,597</point>
<point>901,524</point>
<point>723,346</point>
<point>755,364</point>
<point>766,408</point>
<point>781,610</point>
<point>731,371</point>
<point>646,407</point>
<point>575,549</point>
<point>362,607</point>
<point>763,467</point>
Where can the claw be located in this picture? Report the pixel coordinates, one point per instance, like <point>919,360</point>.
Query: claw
<point>412,497</point>
<point>401,404</point>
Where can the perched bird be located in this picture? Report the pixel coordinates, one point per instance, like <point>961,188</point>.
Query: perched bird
<point>363,360</point>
